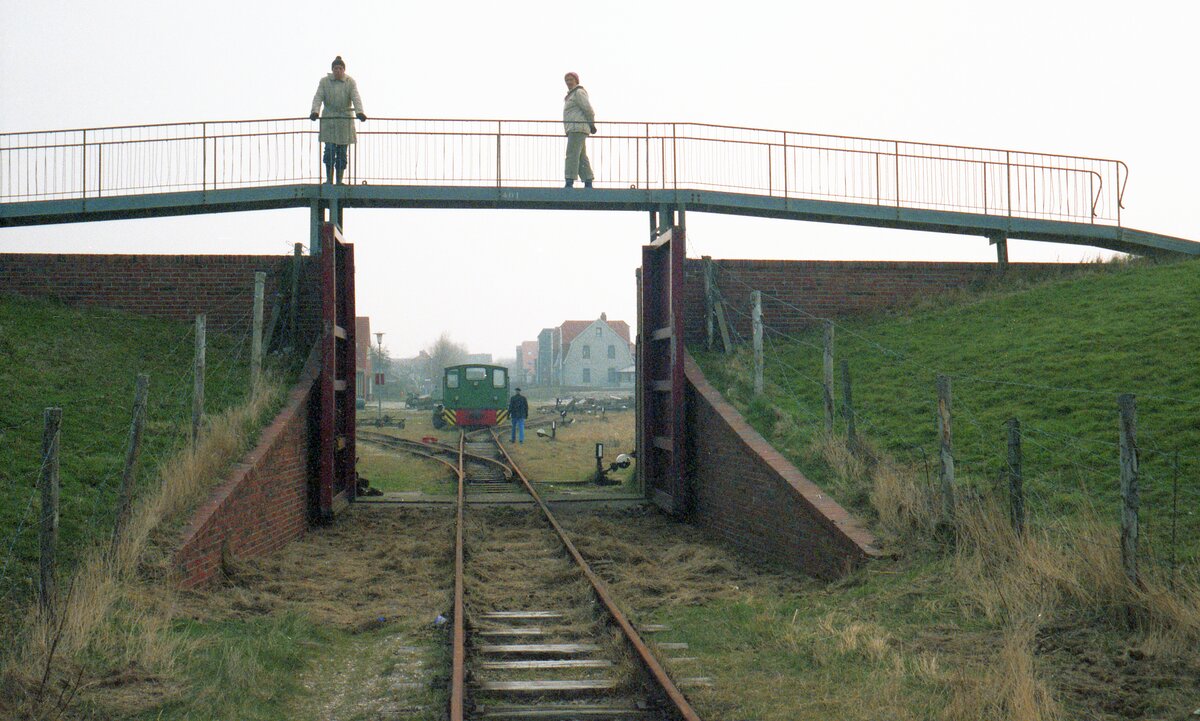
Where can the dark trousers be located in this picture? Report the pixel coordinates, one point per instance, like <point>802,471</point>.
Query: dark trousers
<point>335,156</point>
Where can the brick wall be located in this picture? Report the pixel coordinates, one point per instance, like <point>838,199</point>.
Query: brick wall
<point>263,504</point>
<point>750,495</point>
<point>175,287</point>
<point>795,291</point>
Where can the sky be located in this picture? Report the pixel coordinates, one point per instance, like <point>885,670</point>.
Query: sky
<point>1094,78</point>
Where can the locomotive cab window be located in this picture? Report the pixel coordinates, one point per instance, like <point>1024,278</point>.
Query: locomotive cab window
<point>476,374</point>
<point>452,379</point>
<point>499,379</point>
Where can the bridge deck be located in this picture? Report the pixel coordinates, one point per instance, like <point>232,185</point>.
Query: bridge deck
<point>65,176</point>
<point>1111,237</point>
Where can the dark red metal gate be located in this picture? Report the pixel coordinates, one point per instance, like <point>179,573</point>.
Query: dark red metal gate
<point>661,442</point>
<point>336,454</point>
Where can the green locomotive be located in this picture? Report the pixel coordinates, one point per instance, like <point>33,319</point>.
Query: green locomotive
<point>474,395</point>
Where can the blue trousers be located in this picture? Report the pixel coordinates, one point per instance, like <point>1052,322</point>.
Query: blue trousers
<point>335,155</point>
<point>518,429</point>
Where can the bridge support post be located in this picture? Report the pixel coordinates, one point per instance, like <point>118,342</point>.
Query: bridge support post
<point>662,452</point>
<point>315,220</point>
<point>1000,240</point>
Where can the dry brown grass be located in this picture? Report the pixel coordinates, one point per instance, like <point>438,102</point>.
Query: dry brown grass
<point>105,613</point>
<point>571,456</point>
<point>1063,581</point>
<point>1010,689</point>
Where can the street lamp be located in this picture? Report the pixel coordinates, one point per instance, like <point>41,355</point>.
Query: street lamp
<point>379,342</point>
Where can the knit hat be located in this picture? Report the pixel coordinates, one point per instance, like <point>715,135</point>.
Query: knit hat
<point>338,61</point>
<point>572,75</point>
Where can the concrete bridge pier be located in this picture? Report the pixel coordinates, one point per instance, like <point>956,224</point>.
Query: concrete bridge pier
<point>1000,240</point>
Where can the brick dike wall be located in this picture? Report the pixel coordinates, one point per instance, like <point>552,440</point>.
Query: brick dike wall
<point>753,497</point>
<point>175,287</point>
<point>795,290</point>
<point>263,504</point>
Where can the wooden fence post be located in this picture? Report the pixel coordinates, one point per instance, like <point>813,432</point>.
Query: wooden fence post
<point>294,308</point>
<point>848,408</point>
<point>48,535</point>
<point>132,450</point>
<point>709,311</point>
<point>1127,406</point>
<point>829,408</point>
<point>256,337</point>
<point>1016,481</point>
<point>756,321</point>
<point>198,381</point>
<point>945,447</point>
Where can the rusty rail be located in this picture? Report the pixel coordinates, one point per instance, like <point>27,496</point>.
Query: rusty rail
<point>678,702</point>
<point>459,651</point>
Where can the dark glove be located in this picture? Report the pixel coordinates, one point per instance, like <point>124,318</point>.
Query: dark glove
<point>313,116</point>
<point>362,117</point>
<point>593,128</point>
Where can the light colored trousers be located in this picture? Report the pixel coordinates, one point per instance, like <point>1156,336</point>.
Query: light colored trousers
<point>577,165</point>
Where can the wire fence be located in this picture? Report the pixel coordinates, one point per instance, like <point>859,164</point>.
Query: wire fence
<point>1070,440</point>
<point>97,411</point>
<point>215,155</point>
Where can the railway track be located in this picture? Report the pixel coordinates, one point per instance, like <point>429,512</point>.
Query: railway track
<point>486,471</point>
<point>536,634</point>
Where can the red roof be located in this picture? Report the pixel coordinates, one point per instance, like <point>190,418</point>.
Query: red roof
<point>571,329</point>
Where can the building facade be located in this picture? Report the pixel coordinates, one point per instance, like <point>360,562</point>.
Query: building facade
<point>593,354</point>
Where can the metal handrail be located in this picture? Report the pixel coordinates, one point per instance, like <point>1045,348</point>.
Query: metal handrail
<point>171,157</point>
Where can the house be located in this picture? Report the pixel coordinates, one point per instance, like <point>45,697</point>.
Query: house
<point>586,354</point>
<point>527,355</point>
<point>363,377</point>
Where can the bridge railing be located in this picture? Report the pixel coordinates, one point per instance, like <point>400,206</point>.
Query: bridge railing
<point>134,160</point>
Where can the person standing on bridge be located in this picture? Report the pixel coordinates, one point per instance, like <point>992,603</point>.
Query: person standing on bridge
<point>579,121</point>
<point>518,411</point>
<point>337,91</point>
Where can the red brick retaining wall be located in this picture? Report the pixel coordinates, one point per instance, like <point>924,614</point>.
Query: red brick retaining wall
<point>263,504</point>
<point>796,291</point>
<point>175,287</point>
<point>753,497</point>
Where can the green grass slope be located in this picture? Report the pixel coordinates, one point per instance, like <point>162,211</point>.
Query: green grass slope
<point>964,620</point>
<point>85,361</point>
<point>1055,356</point>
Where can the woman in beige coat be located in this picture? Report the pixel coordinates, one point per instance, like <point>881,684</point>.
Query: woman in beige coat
<point>579,121</point>
<point>337,91</point>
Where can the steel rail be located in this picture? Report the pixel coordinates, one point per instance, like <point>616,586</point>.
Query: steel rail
<point>416,447</point>
<point>459,650</point>
<point>378,440</point>
<point>651,664</point>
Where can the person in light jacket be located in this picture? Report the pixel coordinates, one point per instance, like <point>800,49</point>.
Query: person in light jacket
<point>337,91</point>
<point>579,121</point>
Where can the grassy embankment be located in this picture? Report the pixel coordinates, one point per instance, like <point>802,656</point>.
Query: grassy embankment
<point>970,621</point>
<point>86,362</point>
<point>114,642</point>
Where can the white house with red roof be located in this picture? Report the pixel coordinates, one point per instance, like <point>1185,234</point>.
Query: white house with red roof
<point>587,353</point>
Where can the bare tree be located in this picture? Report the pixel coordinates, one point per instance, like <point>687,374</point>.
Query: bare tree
<point>444,352</point>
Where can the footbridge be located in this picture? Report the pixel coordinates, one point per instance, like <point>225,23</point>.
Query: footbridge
<point>664,169</point>
<point>80,175</point>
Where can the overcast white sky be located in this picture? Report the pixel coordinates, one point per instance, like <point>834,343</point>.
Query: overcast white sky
<point>1096,78</point>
